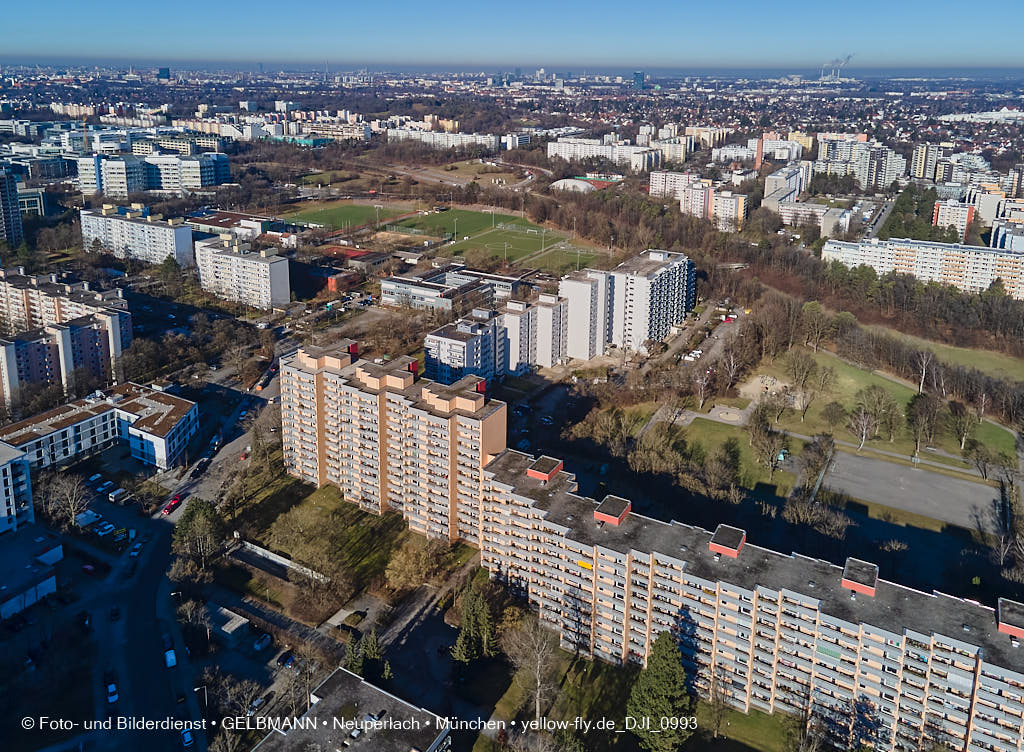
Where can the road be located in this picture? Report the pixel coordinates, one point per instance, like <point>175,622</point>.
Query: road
<point>961,502</point>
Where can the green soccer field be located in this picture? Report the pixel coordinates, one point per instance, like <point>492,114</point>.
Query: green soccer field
<point>469,223</point>
<point>337,214</point>
<point>506,243</point>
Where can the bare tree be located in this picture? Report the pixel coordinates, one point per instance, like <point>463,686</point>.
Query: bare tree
<point>961,422</point>
<point>64,496</point>
<point>923,360</point>
<point>703,381</point>
<point>981,404</point>
<point>718,700</point>
<point>531,647</point>
<point>862,425</point>
<point>731,362</point>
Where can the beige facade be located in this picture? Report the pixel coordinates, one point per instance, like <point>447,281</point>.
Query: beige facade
<point>391,440</point>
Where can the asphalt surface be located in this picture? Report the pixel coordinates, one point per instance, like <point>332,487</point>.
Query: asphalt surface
<point>940,497</point>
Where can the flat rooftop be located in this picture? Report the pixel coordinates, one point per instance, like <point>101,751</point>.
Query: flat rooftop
<point>19,568</point>
<point>467,385</point>
<point>648,263</point>
<point>156,413</point>
<point>347,702</point>
<point>892,608</point>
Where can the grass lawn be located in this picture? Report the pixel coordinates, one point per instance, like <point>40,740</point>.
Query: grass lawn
<point>712,435</point>
<point>849,380</point>
<point>753,731</point>
<point>470,222</point>
<point>360,541</point>
<point>338,214</point>
<point>503,243</point>
<point>560,261</point>
<point>987,361</point>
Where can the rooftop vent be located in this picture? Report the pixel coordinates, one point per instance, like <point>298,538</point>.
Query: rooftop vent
<point>810,584</point>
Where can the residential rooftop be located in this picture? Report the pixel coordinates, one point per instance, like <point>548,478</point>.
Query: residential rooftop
<point>893,608</point>
<point>156,412</point>
<point>345,702</point>
<point>648,263</point>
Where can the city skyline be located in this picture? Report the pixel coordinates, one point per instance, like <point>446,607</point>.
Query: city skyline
<point>571,35</point>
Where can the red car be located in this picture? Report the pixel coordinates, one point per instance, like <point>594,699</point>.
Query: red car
<point>172,504</point>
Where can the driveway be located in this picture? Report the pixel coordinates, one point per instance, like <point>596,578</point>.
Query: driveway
<point>940,497</point>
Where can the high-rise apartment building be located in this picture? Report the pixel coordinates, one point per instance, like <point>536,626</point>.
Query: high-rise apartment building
<point>117,176</point>
<point>636,302</point>
<point>873,165</point>
<point>471,346</point>
<point>390,440</point>
<point>10,215</point>
<point>967,267</point>
<point>137,235</point>
<point>588,297</point>
<point>875,663</point>
<point>953,214</point>
<point>15,490</point>
<point>670,184</point>
<point>926,157</point>
<point>53,331</point>
<point>230,269</point>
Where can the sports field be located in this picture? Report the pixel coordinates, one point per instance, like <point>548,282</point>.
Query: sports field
<point>469,223</point>
<point>339,214</point>
<point>560,260</point>
<point>510,244</point>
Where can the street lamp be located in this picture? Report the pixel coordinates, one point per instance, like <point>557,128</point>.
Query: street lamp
<point>206,697</point>
<point>456,228</point>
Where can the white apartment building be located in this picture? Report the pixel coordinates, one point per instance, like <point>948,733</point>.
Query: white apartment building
<point>954,214</point>
<point>637,301</point>
<point>15,490</point>
<point>471,346</point>
<point>873,165</point>
<point>133,235</point>
<point>117,176</point>
<point>229,269</point>
<point>637,158</point>
<point>588,297</point>
<point>925,158</point>
<point>442,140</point>
<point>776,149</point>
<point>552,330</point>
<point>733,153</point>
<point>1008,235</point>
<point>664,183</point>
<point>649,293</point>
<point>156,425</point>
<point>707,135</point>
<point>967,267</point>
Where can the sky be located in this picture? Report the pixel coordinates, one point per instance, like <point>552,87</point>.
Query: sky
<point>572,35</point>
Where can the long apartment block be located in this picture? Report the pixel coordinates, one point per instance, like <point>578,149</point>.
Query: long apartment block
<point>391,440</point>
<point>876,662</point>
<point>967,267</point>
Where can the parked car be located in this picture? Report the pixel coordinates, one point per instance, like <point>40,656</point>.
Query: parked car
<point>170,659</point>
<point>106,529</point>
<point>94,480</point>
<point>258,703</point>
<point>286,659</point>
<point>187,739</point>
<point>135,550</point>
<point>262,642</point>
<point>105,487</point>
<point>167,641</point>
<point>172,505</point>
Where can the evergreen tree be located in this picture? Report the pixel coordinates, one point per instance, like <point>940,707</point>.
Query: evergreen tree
<point>387,674</point>
<point>660,692</point>
<point>354,660</point>
<point>371,646</point>
<point>465,648</point>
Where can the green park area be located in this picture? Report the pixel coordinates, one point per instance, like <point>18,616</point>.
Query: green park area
<point>711,435</point>
<point>990,362</point>
<point>340,214</point>
<point>460,222</point>
<point>848,381</point>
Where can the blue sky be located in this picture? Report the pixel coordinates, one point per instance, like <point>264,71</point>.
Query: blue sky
<point>558,34</point>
